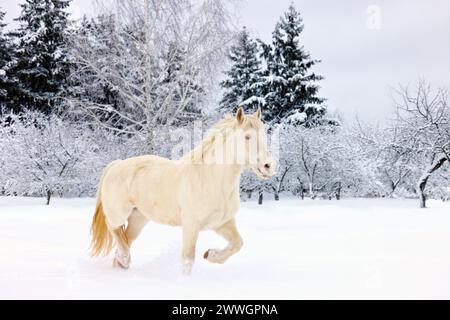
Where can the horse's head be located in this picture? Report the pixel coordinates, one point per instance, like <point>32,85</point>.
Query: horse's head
<point>236,140</point>
<point>251,144</point>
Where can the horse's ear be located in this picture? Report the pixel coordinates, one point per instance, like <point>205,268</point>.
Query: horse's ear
<point>258,113</point>
<point>240,115</point>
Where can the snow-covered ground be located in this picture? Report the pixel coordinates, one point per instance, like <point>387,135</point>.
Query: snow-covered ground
<point>353,248</point>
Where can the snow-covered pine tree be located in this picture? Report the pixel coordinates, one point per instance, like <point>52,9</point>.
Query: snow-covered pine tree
<point>244,77</point>
<point>290,87</point>
<point>6,83</point>
<point>41,65</point>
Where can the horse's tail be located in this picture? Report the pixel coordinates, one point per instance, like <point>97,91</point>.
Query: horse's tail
<point>102,240</point>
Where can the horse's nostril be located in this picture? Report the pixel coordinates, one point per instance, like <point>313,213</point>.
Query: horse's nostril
<point>267,166</point>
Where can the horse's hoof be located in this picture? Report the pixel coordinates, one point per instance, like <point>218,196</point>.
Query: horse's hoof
<point>214,256</point>
<point>118,264</point>
<point>187,267</point>
<point>122,260</point>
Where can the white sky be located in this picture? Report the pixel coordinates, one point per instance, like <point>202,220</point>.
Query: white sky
<point>360,63</point>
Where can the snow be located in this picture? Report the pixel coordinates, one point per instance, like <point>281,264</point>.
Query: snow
<point>273,78</point>
<point>353,248</point>
<point>253,100</point>
<point>297,117</point>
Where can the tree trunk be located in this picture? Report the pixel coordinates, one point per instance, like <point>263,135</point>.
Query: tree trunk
<point>422,197</point>
<point>249,194</point>
<point>280,183</point>
<point>149,142</point>
<point>260,196</point>
<point>302,192</point>
<point>49,195</point>
<point>422,183</point>
<point>338,191</point>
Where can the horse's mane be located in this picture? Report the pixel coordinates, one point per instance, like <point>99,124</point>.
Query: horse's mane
<point>221,129</point>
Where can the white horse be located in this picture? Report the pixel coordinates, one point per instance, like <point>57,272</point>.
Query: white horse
<point>198,192</point>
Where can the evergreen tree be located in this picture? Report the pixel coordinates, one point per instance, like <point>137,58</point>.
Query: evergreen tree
<point>289,86</point>
<point>242,85</point>
<point>6,83</point>
<point>41,63</point>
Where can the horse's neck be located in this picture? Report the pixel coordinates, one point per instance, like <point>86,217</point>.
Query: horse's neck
<point>218,178</point>
<point>225,175</point>
<point>212,167</point>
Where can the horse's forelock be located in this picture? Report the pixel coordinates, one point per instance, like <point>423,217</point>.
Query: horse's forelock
<point>229,122</point>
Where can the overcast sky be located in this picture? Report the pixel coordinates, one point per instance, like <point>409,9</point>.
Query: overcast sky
<point>366,47</point>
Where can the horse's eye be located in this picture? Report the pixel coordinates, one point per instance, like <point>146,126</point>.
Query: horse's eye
<point>247,137</point>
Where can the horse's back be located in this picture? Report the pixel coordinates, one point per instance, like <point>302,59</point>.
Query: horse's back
<point>147,183</point>
<point>143,160</point>
<point>123,172</point>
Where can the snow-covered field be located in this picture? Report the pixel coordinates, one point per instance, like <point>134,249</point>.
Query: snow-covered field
<point>353,248</point>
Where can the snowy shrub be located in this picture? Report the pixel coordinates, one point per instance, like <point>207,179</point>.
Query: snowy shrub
<point>40,154</point>
<point>46,155</point>
<point>381,166</point>
<point>308,154</point>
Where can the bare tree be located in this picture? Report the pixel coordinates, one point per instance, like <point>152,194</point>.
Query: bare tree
<point>40,154</point>
<point>380,155</point>
<point>154,56</point>
<point>313,154</point>
<point>48,155</point>
<point>423,116</point>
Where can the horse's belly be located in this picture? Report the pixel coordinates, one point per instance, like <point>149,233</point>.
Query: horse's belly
<point>169,218</point>
<point>161,214</point>
<point>156,194</point>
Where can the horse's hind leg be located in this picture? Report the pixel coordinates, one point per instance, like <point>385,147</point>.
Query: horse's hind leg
<point>125,236</point>
<point>136,223</point>
<point>122,258</point>
<point>118,213</point>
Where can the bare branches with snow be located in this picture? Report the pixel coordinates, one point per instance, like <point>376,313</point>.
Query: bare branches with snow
<point>423,116</point>
<point>156,58</point>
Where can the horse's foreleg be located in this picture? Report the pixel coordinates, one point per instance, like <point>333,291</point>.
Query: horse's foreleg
<point>190,235</point>
<point>235,242</point>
